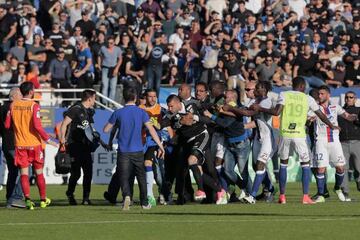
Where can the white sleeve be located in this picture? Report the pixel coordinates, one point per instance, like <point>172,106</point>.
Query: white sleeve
<point>313,106</point>
<point>266,103</point>
<point>281,99</point>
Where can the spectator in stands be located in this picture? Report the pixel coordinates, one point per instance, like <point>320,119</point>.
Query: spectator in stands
<point>352,76</point>
<point>84,71</point>
<point>5,74</point>
<point>60,74</point>
<point>30,30</point>
<point>86,25</point>
<point>110,60</point>
<point>154,67</point>
<point>8,26</point>
<point>19,50</point>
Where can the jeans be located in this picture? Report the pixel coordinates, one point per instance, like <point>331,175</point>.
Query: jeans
<point>313,81</point>
<point>238,155</point>
<point>13,184</point>
<point>154,73</point>
<point>159,172</point>
<point>127,164</point>
<point>108,84</point>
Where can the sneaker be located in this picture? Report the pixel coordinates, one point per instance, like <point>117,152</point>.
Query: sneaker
<point>319,199</point>
<point>221,197</point>
<point>126,204</point>
<point>250,199</point>
<point>108,198</point>
<point>269,196</point>
<point>200,195</point>
<point>44,204</point>
<point>307,200</point>
<point>242,195</point>
<point>326,194</point>
<point>340,195</point>
<point>17,203</point>
<point>86,202</point>
<point>29,204</point>
<point>162,200</point>
<point>347,197</point>
<point>146,207</point>
<point>152,201</point>
<point>282,199</point>
<point>71,199</point>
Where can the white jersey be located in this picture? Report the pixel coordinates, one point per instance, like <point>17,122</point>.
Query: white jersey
<point>264,120</point>
<point>322,131</point>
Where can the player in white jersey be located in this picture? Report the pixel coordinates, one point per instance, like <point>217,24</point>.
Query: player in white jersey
<point>328,150</point>
<point>264,144</point>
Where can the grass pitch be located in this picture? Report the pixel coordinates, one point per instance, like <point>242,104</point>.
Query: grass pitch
<point>331,220</point>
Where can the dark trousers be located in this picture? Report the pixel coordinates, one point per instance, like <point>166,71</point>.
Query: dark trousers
<point>129,164</point>
<point>85,81</point>
<point>13,172</point>
<point>115,185</point>
<point>154,74</point>
<point>81,160</point>
<point>183,185</point>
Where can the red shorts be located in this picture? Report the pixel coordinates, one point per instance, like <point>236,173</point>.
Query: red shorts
<point>25,156</point>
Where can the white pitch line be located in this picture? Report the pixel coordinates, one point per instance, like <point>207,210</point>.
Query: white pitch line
<point>184,221</point>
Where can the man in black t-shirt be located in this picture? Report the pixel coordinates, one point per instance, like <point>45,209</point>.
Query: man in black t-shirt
<point>8,26</point>
<point>87,26</point>
<point>154,67</point>
<point>305,65</point>
<point>79,118</point>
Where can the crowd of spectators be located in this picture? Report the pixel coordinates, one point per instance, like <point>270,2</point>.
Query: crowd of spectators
<point>146,43</point>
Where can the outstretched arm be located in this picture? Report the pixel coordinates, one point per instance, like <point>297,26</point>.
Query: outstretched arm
<point>323,118</point>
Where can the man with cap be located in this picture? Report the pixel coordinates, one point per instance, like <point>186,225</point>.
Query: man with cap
<point>355,31</point>
<point>140,23</point>
<point>154,66</point>
<point>60,73</point>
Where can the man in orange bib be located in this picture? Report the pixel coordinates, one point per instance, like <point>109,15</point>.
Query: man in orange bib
<point>24,115</point>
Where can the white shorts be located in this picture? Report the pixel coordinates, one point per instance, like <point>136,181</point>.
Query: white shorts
<point>263,149</point>
<point>300,147</point>
<point>328,154</point>
<point>217,145</point>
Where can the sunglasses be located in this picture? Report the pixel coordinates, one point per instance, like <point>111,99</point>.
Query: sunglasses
<point>249,89</point>
<point>349,97</point>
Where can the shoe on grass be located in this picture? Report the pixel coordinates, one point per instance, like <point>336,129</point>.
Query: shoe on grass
<point>44,204</point>
<point>30,205</point>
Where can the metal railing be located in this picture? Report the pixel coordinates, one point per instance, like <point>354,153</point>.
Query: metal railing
<point>53,100</point>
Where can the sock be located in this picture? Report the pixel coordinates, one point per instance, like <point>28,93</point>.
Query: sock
<point>320,182</point>
<point>325,185</point>
<point>149,180</point>
<point>220,174</point>
<point>210,182</point>
<point>25,185</point>
<point>198,177</point>
<point>40,180</point>
<point>267,182</point>
<point>282,177</point>
<point>259,177</point>
<point>306,178</point>
<point>339,177</point>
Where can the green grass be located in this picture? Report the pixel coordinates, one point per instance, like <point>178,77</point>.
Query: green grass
<point>331,220</point>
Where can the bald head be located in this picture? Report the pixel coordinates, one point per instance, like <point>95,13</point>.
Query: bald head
<point>184,91</point>
<point>249,89</point>
<point>15,94</point>
<point>231,96</point>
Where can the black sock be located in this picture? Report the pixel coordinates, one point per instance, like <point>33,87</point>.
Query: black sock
<point>209,181</point>
<point>198,177</point>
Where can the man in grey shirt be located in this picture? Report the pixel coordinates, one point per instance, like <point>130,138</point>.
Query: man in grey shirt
<point>110,59</point>
<point>60,74</point>
<point>266,70</point>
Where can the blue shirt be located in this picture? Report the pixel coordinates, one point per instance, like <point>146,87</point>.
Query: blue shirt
<point>82,58</point>
<point>130,120</point>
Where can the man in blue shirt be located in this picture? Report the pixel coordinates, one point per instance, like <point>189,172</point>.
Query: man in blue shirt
<point>130,120</point>
<point>85,69</point>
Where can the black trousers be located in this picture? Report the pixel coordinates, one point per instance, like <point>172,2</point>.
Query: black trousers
<point>115,185</point>
<point>130,164</point>
<point>183,185</point>
<point>82,159</point>
<point>13,172</point>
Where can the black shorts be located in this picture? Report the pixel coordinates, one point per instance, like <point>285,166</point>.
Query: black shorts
<point>150,153</point>
<point>198,145</point>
